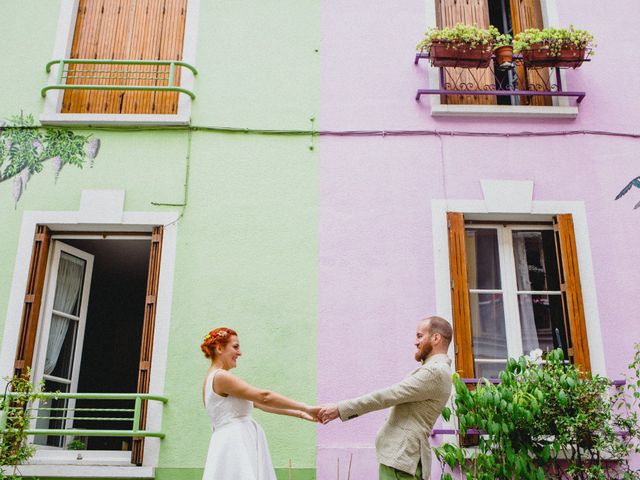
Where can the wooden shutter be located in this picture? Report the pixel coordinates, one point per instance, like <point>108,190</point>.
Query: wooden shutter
<point>126,30</point>
<point>528,14</point>
<point>469,12</point>
<point>570,286</point>
<point>148,327</point>
<point>32,300</point>
<point>463,340</point>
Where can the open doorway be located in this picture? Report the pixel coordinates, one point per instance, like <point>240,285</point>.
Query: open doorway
<point>99,349</point>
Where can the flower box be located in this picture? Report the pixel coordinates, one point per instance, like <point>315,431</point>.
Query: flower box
<point>540,55</point>
<point>448,54</point>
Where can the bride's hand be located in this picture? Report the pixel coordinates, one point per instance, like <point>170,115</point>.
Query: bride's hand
<point>308,417</point>
<point>311,413</point>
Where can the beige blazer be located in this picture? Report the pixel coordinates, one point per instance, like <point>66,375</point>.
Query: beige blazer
<point>416,403</point>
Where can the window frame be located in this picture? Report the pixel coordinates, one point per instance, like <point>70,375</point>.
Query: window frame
<point>561,107</point>
<point>51,114</point>
<point>508,280</point>
<point>503,210</point>
<point>98,220</point>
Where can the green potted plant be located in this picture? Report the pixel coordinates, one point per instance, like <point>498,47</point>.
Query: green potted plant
<point>503,50</point>
<point>462,45</point>
<point>554,47</point>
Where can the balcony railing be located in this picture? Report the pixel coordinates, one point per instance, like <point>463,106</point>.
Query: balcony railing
<point>146,75</point>
<point>512,82</point>
<point>59,412</point>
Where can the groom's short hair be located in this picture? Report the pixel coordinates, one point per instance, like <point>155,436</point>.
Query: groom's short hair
<point>441,326</point>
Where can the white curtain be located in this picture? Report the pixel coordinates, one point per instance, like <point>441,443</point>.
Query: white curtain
<point>527,319</point>
<point>68,289</point>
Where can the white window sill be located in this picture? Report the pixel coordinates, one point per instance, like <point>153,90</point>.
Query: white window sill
<point>112,119</point>
<point>53,462</point>
<point>521,111</point>
<point>85,471</point>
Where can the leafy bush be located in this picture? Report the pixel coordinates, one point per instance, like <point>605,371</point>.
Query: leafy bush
<point>545,420</point>
<point>15,411</point>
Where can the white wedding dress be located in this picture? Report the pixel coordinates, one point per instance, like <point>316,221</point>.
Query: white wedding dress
<point>238,449</point>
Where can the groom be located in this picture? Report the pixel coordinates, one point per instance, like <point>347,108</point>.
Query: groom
<point>402,444</point>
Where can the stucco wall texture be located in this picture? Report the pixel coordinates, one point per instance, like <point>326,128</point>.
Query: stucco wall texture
<point>323,259</point>
<point>376,277</point>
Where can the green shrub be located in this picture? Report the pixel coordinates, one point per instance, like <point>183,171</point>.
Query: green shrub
<point>16,414</point>
<point>545,419</point>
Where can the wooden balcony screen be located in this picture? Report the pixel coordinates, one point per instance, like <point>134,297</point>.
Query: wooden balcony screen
<point>469,12</point>
<point>125,30</point>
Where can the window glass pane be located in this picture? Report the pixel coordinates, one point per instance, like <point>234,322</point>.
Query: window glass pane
<point>541,322</point>
<point>489,369</point>
<point>69,284</point>
<point>51,415</point>
<point>61,347</point>
<point>483,263</point>
<point>536,262</point>
<point>487,326</point>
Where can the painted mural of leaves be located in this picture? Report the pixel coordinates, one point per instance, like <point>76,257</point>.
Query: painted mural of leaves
<point>25,148</point>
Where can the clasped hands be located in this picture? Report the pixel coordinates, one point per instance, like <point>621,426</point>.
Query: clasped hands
<point>323,413</point>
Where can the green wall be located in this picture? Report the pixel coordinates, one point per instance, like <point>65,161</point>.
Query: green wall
<point>248,238</point>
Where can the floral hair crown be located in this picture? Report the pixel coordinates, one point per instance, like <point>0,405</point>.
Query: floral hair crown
<point>215,336</point>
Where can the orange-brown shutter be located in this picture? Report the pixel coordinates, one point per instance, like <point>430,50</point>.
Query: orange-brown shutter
<point>126,30</point>
<point>148,327</point>
<point>463,340</point>
<point>469,12</point>
<point>528,14</point>
<point>578,347</point>
<point>32,300</point>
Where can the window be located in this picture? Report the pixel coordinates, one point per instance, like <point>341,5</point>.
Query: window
<point>90,303</point>
<point>508,16</point>
<point>140,30</point>
<point>515,288</point>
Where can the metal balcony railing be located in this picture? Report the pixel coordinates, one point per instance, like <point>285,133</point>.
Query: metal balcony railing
<point>513,82</point>
<point>145,75</point>
<point>59,412</point>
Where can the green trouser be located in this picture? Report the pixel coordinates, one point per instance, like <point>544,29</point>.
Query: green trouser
<point>390,473</point>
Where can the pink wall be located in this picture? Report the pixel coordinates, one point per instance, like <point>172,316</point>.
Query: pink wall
<point>376,252</point>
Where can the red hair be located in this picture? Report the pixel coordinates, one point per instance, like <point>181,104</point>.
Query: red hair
<point>218,336</point>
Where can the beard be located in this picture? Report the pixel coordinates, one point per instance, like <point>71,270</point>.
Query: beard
<point>422,354</point>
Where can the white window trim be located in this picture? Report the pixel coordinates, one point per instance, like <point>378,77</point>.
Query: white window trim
<point>561,107</point>
<point>62,49</point>
<point>540,211</point>
<point>101,221</point>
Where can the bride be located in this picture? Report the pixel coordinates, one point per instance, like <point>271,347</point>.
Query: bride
<point>238,449</point>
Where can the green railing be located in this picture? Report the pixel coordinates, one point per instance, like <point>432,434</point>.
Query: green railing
<point>133,71</point>
<point>44,411</point>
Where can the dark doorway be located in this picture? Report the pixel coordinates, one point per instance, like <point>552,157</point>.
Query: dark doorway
<point>113,332</point>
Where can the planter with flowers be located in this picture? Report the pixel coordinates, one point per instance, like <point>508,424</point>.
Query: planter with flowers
<point>554,47</point>
<point>465,46</point>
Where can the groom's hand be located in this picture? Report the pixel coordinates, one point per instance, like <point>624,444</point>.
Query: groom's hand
<point>328,413</point>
